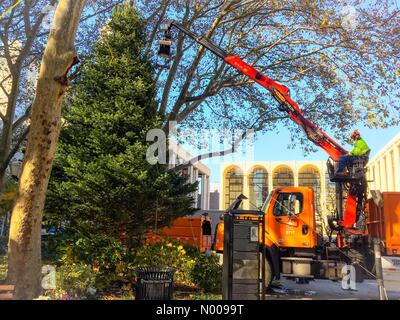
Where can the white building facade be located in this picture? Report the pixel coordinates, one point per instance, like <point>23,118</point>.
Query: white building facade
<point>256,179</point>
<point>384,168</point>
<point>197,171</point>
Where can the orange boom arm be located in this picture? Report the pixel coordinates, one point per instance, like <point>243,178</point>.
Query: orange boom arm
<point>286,104</point>
<point>281,94</point>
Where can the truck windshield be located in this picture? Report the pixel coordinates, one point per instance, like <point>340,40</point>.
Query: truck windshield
<point>282,207</point>
<point>266,203</point>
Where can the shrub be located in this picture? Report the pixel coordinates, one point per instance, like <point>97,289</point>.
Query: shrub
<point>193,268</point>
<point>101,262</point>
<point>75,280</point>
<point>207,273</point>
<point>167,254</point>
<point>3,267</point>
<point>206,296</point>
<point>106,256</point>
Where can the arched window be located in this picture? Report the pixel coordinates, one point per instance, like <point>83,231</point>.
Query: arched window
<point>233,185</point>
<point>283,177</point>
<point>258,188</point>
<point>310,177</point>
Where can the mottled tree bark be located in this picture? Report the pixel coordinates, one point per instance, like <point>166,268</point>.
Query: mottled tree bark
<point>24,266</point>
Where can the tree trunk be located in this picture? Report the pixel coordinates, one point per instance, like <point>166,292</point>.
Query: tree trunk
<point>24,261</point>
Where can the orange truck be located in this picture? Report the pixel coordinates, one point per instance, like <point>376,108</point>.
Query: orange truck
<point>383,220</point>
<point>186,230</point>
<point>294,249</point>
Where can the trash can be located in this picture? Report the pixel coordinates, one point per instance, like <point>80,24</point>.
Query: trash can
<point>154,283</point>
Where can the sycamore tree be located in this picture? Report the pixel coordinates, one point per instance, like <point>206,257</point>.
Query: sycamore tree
<point>24,245</point>
<point>101,182</point>
<point>24,29</point>
<point>339,58</point>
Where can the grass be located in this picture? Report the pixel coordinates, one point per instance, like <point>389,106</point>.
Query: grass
<point>177,296</point>
<point>207,296</point>
<point>122,297</point>
<point>184,295</point>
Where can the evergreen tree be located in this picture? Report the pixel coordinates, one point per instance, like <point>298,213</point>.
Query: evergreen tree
<point>101,182</point>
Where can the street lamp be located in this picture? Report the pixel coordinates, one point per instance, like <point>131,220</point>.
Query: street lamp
<point>165,44</point>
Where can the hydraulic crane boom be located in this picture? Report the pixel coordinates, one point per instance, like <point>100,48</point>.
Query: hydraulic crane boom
<point>282,96</point>
<point>278,91</point>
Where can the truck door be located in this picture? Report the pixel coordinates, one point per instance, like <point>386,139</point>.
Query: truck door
<point>291,229</point>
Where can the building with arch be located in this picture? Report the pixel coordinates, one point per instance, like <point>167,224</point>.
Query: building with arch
<point>256,179</point>
<point>258,187</point>
<point>384,168</point>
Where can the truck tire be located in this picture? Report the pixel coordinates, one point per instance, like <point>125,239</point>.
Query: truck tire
<point>268,274</point>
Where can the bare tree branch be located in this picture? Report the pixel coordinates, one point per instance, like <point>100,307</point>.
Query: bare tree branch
<point>14,149</point>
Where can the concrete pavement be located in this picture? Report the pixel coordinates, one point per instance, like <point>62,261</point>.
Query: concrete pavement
<point>327,290</point>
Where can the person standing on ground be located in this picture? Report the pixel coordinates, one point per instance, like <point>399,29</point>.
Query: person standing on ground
<point>206,229</point>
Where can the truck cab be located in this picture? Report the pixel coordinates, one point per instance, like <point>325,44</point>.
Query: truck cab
<point>293,247</point>
<point>289,216</point>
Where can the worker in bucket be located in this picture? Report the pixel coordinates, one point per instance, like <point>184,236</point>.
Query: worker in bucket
<point>360,150</point>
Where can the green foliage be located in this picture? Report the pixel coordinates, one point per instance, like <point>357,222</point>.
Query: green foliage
<point>338,58</point>
<point>207,273</point>
<point>75,280</point>
<point>119,297</point>
<point>106,256</point>
<point>193,268</point>
<point>3,267</point>
<point>206,296</point>
<point>102,263</point>
<point>7,198</point>
<point>101,183</point>
<point>167,254</point>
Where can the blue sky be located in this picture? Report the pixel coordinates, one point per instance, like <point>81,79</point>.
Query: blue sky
<point>273,146</point>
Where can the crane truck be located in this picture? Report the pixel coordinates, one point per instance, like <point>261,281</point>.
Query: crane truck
<point>293,247</point>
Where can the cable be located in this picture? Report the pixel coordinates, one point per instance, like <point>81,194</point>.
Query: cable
<point>9,9</point>
<point>356,262</point>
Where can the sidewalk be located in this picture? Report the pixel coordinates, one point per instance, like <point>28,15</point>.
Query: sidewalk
<point>327,290</point>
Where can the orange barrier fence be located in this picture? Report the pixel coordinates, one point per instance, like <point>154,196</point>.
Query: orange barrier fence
<point>186,230</point>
